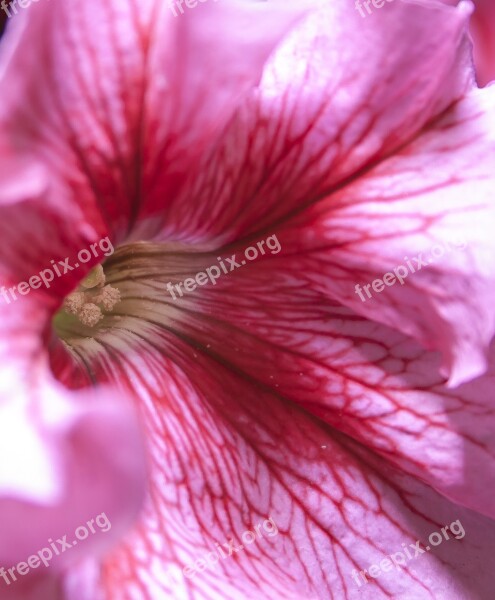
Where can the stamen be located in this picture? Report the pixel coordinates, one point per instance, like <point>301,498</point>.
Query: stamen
<point>109,297</point>
<point>86,303</point>
<point>74,302</point>
<point>90,314</point>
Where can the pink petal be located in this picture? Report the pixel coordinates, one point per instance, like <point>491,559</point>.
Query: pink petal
<point>268,324</point>
<point>339,95</point>
<point>432,200</point>
<point>354,206</point>
<point>229,453</point>
<point>71,458</point>
<point>42,586</point>
<point>83,452</point>
<point>251,391</point>
<point>68,457</point>
<point>142,90</point>
<point>483,31</point>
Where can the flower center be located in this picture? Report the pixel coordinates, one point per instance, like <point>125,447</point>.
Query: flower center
<point>84,308</point>
<point>92,296</point>
<point>128,303</point>
<point>127,292</point>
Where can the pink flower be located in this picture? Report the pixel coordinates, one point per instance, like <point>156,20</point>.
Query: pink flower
<point>357,428</point>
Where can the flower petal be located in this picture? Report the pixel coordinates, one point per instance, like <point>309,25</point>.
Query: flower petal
<point>67,457</point>
<point>364,379</point>
<point>42,586</point>
<point>426,213</point>
<point>228,454</point>
<point>339,95</point>
<point>244,386</point>
<point>483,31</point>
<point>406,205</point>
<point>71,458</point>
<point>142,91</point>
<point>335,162</point>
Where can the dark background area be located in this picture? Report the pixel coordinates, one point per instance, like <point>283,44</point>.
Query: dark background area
<point>3,20</point>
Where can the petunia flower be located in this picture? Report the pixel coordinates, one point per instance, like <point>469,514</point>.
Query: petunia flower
<point>273,391</point>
